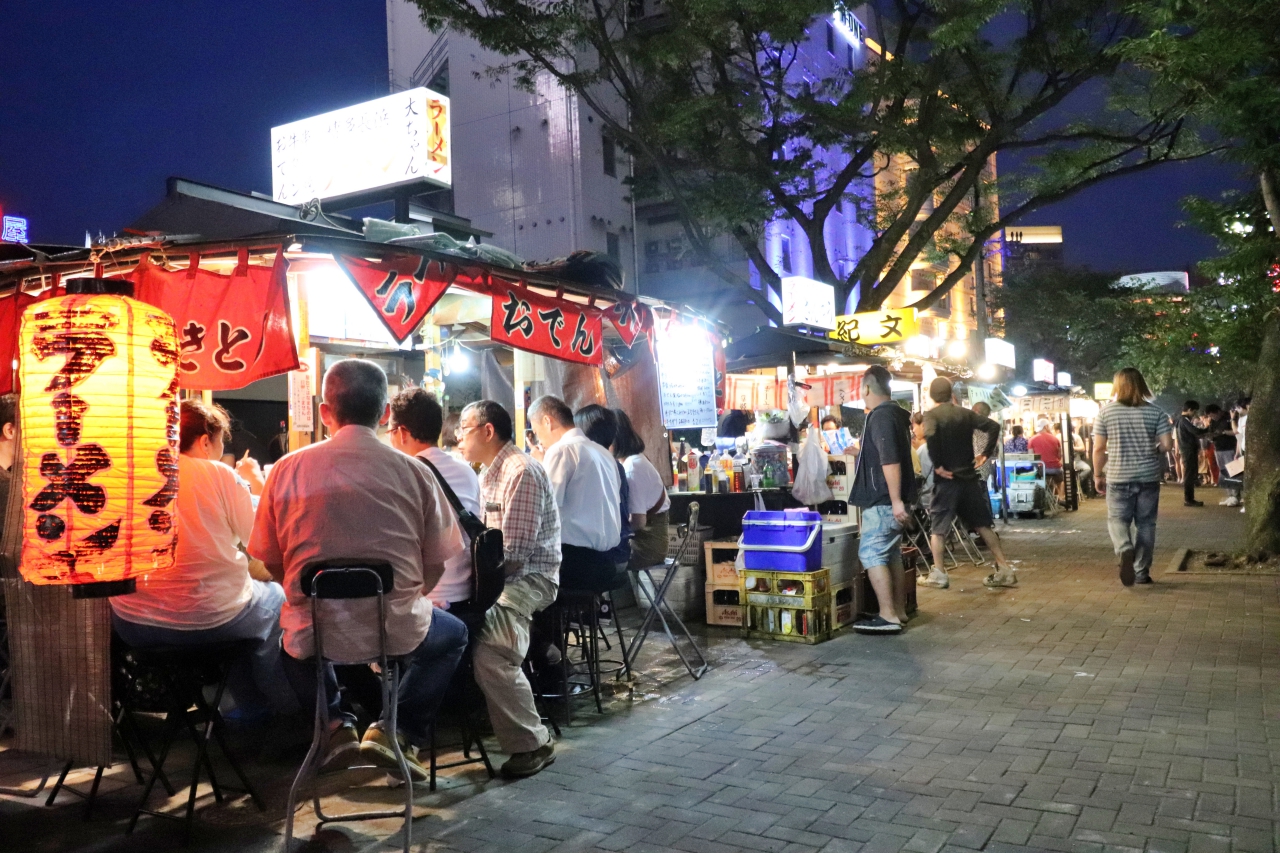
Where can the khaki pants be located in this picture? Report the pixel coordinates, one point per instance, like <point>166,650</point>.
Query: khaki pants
<point>503,643</point>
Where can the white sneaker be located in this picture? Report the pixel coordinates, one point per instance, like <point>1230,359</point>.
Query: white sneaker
<point>1231,501</point>
<point>937,579</point>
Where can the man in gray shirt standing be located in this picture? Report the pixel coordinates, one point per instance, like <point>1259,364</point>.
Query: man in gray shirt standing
<point>958,491</point>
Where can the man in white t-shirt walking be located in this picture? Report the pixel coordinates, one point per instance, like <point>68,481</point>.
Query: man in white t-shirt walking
<point>417,420</point>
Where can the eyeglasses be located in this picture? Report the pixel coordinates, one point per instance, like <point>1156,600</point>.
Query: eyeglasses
<point>461,431</point>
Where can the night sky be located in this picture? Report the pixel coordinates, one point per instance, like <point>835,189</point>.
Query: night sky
<point>100,102</point>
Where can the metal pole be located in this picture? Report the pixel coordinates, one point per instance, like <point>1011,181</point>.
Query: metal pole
<point>1004,476</point>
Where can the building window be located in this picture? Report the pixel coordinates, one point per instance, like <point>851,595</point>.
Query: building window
<point>850,59</point>
<point>610,156</point>
<point>611,246</point>
<point>784,245</point>
<point>923,280</point>
<point>831,38</point>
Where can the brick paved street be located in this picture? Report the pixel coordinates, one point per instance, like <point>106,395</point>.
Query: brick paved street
<point>1067,714</point>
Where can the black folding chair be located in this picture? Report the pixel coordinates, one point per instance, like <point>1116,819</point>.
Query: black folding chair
<point>344,580</point>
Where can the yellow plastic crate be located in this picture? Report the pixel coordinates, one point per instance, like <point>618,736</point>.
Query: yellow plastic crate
<point>791,624</point>
<point>785,589</point>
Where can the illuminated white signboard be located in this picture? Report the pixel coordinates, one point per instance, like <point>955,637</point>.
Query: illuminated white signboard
<point>1064,378</point>
<point>807,302</point>
<point>1042,371</point>
<point>999,351</point>
<point>401,139</point>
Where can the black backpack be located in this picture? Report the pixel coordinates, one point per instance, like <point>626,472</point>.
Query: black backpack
<point>488,564</point>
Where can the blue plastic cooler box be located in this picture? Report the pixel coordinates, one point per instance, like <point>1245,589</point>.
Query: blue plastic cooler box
<point>786,541</point>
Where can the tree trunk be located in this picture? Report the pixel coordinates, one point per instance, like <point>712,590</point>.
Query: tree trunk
<point>1262,446</point>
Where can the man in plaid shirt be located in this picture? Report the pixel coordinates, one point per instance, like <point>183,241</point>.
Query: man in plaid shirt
<point>518,499</point>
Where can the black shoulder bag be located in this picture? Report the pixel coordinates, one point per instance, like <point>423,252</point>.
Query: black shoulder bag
<point>488,565</point>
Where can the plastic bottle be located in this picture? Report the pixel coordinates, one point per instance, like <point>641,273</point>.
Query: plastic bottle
<point>739,476</point>
<point>726,462</point>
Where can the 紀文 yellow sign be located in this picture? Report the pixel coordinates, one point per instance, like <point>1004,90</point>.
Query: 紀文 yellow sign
<point>886,326</point>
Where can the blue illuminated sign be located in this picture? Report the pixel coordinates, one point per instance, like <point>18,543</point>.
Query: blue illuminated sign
<point>13,230</point>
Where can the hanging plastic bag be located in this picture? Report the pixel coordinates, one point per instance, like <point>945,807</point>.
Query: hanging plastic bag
<point>797,401</point>
<point>811,477</point>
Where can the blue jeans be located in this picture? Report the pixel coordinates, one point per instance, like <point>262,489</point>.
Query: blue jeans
<point>425,675</point>
<point>256,684</point>
<point>1131,505</point>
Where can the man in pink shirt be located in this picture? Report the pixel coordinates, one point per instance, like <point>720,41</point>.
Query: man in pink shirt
<point>354,498</point>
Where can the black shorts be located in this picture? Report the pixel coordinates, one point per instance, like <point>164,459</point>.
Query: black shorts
<point>966,499</point>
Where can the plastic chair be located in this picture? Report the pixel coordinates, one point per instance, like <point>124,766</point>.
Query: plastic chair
<point>338,580</point>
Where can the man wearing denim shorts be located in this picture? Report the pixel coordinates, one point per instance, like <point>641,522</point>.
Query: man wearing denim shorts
<point>883,485</point>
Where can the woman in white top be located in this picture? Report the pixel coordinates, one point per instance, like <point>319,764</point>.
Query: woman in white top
<point>648,496</point>
<point>209,596</point>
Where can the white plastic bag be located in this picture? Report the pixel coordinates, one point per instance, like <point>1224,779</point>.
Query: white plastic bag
<point>797,402</point>
<point>811,477</point>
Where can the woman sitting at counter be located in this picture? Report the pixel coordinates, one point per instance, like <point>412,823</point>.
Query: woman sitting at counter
<point>649,502</point>
<point>209,596</point>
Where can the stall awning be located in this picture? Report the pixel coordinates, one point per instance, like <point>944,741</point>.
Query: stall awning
<point>773,347</point>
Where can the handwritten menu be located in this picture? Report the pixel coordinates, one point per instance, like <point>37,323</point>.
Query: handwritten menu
<point>687,373</point>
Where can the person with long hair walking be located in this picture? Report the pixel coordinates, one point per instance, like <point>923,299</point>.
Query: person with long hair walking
<point>1129,436</point>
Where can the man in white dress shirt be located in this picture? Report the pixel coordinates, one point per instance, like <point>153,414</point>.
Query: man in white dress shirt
<point>417,420</point>
<point>587,488</point>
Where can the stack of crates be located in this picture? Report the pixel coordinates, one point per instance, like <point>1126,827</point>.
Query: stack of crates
<point>786,592</point>
<point>724,587</point>
<point>791,606</point>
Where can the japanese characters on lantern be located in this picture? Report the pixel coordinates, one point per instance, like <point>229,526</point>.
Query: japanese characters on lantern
<point>99,377</point>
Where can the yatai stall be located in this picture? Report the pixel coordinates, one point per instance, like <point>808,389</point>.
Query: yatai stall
<point>107,340</point>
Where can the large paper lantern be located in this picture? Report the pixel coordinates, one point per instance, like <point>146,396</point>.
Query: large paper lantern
<point>99,409</point>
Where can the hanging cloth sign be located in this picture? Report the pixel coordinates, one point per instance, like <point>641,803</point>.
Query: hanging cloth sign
<point>631,319</point>
<point>232,329</point>
<point>546,325</point>
<point>402,289</point>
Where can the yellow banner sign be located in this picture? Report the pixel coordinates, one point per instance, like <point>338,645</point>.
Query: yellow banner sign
<point>886,326</point>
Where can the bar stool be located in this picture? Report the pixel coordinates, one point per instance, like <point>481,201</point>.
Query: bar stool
<point>344,579</point>
<point>656,593</point>
<point>181,674</point>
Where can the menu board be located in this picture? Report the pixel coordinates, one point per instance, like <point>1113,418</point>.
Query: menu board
<point>687,374</point>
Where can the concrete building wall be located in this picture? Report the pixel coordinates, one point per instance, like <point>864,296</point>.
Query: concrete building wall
<point>528,166</point>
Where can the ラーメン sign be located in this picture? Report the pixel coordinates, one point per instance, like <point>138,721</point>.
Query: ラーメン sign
<point>887,326</point>
<point>399,140</point>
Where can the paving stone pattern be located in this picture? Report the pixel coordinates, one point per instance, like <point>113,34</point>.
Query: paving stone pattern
<point>1067,714</point>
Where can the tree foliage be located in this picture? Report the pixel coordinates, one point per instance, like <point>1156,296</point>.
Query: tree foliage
<point>1225,57</point>
<point>1072,316</point>
<point>1207,342</point>
<point>738,118</point>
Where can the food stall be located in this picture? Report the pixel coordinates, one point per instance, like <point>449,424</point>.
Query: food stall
<point>258,319</point>
<point>757,530</point>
